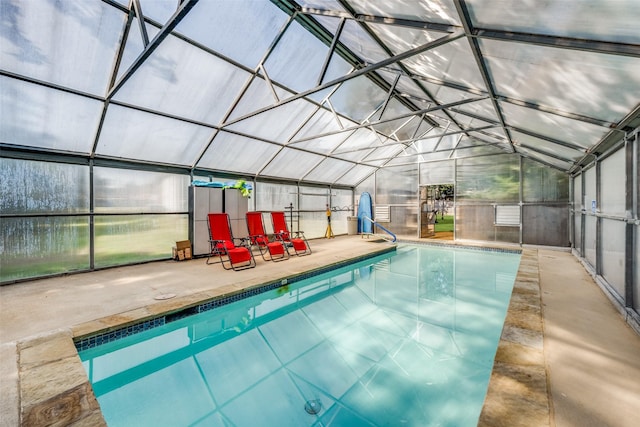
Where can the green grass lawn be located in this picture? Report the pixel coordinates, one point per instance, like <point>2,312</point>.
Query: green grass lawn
<point>445,224</point>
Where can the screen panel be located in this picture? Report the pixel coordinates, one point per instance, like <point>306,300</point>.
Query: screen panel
<point>123,239</point>
<point>32,187</point>
<point>132,191</point>
<point>40,246</point>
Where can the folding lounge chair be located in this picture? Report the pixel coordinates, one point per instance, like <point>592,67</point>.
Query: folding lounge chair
<point>224,245</point>
<point>297,240</point>
<point>275,247</point>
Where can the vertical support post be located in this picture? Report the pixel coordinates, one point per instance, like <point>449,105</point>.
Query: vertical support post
<point>299,198</point>
<point>92,227</point>
<point>598,167</point>
<point>636,215</point>
<point>583,213</point>
<point>520,197</point>
<point>572,213</point>
<point>291,216</point>
<point>631,208</point>
<point>455,196</point>
<point>191,189</point>
<point>419,230</point>
<point>252,200</point>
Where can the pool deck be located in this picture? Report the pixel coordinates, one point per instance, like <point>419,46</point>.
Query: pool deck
<point>566,356</point>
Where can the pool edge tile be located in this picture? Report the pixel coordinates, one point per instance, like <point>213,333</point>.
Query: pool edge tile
<point>518,393</point>
<point>117,326</point>
<point>54,388</point>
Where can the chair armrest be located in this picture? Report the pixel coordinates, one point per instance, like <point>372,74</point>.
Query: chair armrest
<point>242,241</point>
<point>278,236</point>
<point>215,243</point>
<point>255,237</point>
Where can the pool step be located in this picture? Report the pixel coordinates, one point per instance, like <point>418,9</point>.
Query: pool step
<point>377,238</point>
<point>383,265</point>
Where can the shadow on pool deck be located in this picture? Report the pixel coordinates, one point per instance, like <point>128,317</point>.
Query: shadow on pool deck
<point>588,349</point>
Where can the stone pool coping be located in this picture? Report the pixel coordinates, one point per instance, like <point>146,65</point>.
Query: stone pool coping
<point>55,390</point>
<point>518,393</point>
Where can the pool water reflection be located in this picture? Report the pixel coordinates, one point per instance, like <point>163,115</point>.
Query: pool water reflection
<point>406,338</point>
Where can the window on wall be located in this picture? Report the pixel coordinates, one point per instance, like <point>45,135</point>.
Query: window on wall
<point>437,172</point>
<point>45,224</point>
<point>590,203</point>
<point>577,213</point>
<point>397,185</point>
<point>612,194</point>
<point>314,198</point>
<point>541,183</point>
<point>32,187</point>
<point>305,207</point>
<point>139,215</point>
<point>490,178</point>
<point>342,205</point>
<point>275,196</point>
<point>135,191</point>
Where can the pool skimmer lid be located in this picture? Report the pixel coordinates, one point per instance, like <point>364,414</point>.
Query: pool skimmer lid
<point>313,406</point>
<point>164,296</point>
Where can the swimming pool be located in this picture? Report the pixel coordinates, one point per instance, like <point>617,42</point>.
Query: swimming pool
<point>406,338</point>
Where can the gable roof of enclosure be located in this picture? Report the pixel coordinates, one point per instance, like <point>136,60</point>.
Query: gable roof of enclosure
<point>321,91</point>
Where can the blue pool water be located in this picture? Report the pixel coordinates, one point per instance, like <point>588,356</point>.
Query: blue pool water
<point>404,339</point>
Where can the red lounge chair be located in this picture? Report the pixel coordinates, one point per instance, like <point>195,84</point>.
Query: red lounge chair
<point>257,237</point>
<point>295,239</point>
<point>223,244</point>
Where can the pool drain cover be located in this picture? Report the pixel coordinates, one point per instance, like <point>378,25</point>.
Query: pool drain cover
<point>165,296</point>
<point>313,406</point>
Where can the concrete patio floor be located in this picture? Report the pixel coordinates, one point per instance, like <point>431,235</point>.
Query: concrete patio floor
<point>566,357</point>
